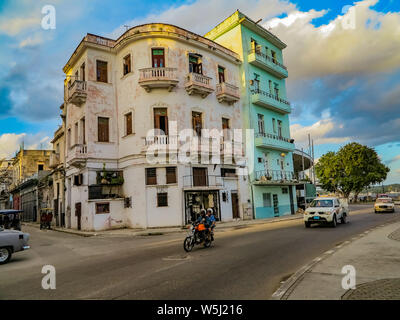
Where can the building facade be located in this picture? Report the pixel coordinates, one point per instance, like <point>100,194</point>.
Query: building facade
<point>265,109</point>
<point>127,102</point>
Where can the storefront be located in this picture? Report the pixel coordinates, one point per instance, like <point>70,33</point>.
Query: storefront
<point>197,200</point>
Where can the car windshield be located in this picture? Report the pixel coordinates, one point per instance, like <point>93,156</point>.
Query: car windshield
<point>321,203</point>
<point>385,200</point>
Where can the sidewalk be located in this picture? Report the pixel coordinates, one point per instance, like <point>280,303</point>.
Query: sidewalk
<point>238,224</point>
<point>375,256</point>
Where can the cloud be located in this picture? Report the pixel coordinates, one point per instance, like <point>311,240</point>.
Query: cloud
<point>202,15</point>
<point>11,142</point>
<point>31,41</point>
<point>371,44</point>
<point>14,26</point>
<point>321,133</point>
<point>394,159</point>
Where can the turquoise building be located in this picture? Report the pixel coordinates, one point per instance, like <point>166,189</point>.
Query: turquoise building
<point>265,109</point>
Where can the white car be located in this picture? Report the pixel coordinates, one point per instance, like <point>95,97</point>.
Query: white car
<point>384,205</point>
<point>326,210</point>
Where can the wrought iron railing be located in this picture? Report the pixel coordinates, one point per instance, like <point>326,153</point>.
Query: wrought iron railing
<point>270,95</point>
<point>267,58</point>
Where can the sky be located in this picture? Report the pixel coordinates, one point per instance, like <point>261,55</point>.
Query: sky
<point>343,59</point>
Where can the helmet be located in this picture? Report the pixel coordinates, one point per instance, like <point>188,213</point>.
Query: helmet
<point>209,210</point>
<point>202,211</point>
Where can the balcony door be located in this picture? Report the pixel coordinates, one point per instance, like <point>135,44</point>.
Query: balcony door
<point>158,58</point>
<point>200,177</point>
<point>161,121</point>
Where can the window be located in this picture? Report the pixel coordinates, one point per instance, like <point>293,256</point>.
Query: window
<point>162,199</point>
<point>200,177</point>
<point>195,64</point>
<point>221,74</point>
<point>171,174</point>
<point>274,124</point>
<point>76,75</point>
<point>266,200</point>
<point>261,128</point>
<point>103,129</point>
<point>273,53</point>
<point>128,123</point>
<point>57,148</point>
<point>158,58</point>
<point>78,179</point>
<point>40,167</point>
<point>270,86</point>
<point>279,128</point>
<point>127,64</point>
<point>102,208</point>
<point>276,88</point>
<point>161,120</point>
<point>228,172</point>
<point>101,71</point>
<point>83,72</point>
<point>285,190</point>
<point>197,123</point>
<point>76,133</point>
<point>69,137</point>
<point>151,176</point>
<point>226,128</point>
<point>260,160</point>
<point>256,82</point>
<point>254,46</point>
<point>83,131</point>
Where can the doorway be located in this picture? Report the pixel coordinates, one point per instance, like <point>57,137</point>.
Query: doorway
<point>78,214</point>
<point>276,205</point>
<point>291,200</point>
<point>235,205</point>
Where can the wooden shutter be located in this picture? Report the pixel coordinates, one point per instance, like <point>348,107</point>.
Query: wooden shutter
<point>103,129</point>
<point>101,71</point>
<point>128,118</point>
<point>171,174</point>
<point>151,176</point>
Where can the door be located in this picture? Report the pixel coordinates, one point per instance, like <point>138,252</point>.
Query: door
<point>235,205</point>
<point>78,213</point>
<point>161,121</point>
<point>55,206</point>
<point>200,177</point>
<point>291,200</point>
<point>276,205</point>
<point>157,58</point>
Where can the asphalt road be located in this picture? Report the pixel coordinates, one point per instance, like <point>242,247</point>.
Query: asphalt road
<point>246,263</point>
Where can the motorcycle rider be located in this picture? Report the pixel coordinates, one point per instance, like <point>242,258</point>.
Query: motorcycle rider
<point>204,220</point>
<point>211,222</point>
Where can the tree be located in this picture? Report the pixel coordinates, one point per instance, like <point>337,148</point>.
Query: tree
<point>351,169</point>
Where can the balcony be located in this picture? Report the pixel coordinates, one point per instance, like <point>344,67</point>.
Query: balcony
<point>227,93</point>
<point>268,177</point>
<point>272,141</point>
<point>151,78</point>
<point>77,154</point>
<point>267,63</point>
<point>54,160</point>
<point>203,181</point>
<point>111,178</point>
<point>77,92</point>
<point>198,84</point>
<point>270,101</point>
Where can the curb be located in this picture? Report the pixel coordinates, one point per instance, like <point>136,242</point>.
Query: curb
<point>159,231</point>
<point>287,287</point>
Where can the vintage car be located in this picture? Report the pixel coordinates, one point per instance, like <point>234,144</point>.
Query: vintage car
<point>326,210</point>
<point>384,205</point>
<point>12,241</point>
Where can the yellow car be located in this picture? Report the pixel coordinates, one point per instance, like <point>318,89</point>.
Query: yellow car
<point>384,205</point>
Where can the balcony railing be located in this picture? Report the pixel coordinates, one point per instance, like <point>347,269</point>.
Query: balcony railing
<point>150,78</point>
<point>77,92</point>
<point>160,140</point>
<point>267,63</point>
<point>275,176</point>
<point>191,181</point>
<point>270,101</point>
<point>198,84</point>
<point>227,92</point>
<point>272,141</point>
<point>54,160</point>
<point>77,153</point>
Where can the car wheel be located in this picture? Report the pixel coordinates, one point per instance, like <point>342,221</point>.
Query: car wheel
<point>343,219</point>
<point>307,224</point>
<point>5,255</point>
<point>334,222</point>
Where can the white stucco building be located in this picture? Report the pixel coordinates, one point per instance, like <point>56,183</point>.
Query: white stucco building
<point>159,78</point>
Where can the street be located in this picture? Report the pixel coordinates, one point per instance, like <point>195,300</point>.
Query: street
<point>246,263</point>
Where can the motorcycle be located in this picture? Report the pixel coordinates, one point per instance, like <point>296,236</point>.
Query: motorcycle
<point>197,235</point>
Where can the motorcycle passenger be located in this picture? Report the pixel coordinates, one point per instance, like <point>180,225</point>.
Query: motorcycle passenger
<point>211,222</point>
<point>204,220</point>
